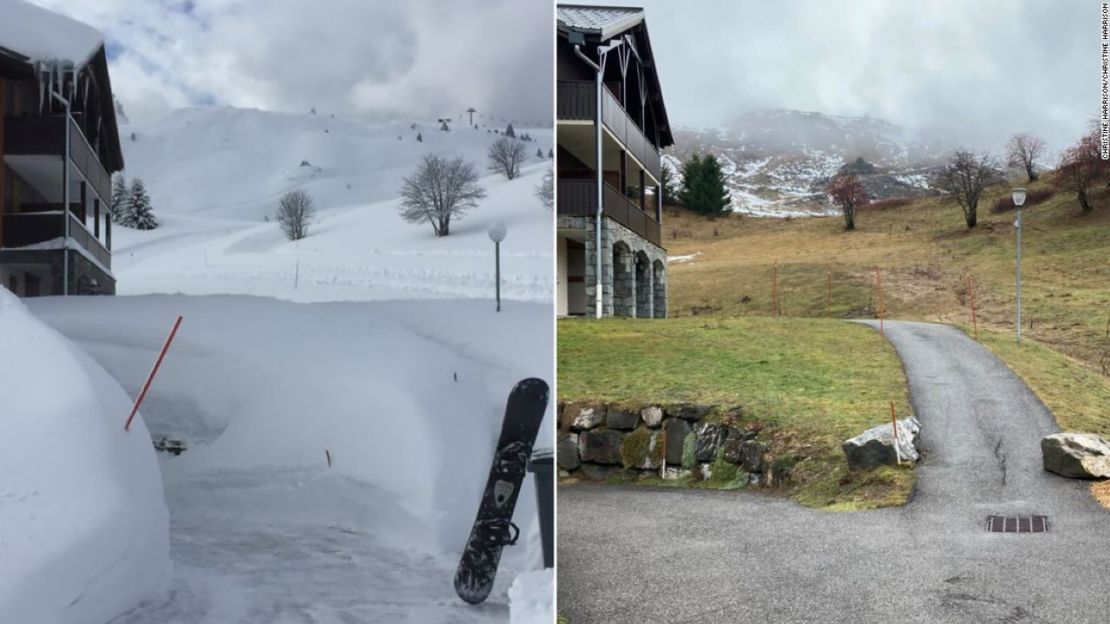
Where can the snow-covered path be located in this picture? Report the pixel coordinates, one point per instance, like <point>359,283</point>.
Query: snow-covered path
<point>301,546</point>
<point>407,398</point>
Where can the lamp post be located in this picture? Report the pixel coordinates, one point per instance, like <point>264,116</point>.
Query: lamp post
<point>497,234</point>
<point>1019,201</point>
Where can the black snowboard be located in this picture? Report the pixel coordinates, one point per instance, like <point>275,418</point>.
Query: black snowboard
<point>493,528</point>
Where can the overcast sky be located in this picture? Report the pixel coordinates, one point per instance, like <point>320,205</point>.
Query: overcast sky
<point>378,58</point>
<point>979,70</point>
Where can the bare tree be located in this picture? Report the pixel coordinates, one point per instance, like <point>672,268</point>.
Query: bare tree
<point>1081,167</point>
<point>849,193</point>
<point>506,155</point>
<point>440,188</point>
<point>1023,150</point>
<point>295,212</point>
<point>965,177</point>
<point>546,189</point>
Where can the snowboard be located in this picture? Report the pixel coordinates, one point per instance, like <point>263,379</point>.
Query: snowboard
<point>493,528</point>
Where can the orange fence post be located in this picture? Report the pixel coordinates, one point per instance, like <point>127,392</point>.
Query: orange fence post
<point>150,377</point>
<point>971,298</point>
<point>879,299</point>
<point>828,292</point>
<point>775,289</point>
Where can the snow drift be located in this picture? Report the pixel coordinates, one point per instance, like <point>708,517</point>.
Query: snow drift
<point>85,528</point>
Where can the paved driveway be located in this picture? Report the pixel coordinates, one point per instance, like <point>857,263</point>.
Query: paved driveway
<point>636,554</point>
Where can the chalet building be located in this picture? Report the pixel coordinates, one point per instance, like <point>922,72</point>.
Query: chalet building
<point>611,126</point>
<point>59,146</point>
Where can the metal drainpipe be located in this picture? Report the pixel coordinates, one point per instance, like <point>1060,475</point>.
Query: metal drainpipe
<point>65,187</point>
<point>598,298</point>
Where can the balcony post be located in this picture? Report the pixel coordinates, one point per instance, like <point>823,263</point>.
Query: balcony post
<point>108,231</point>
<point>84,205</point>
<point>643,196</point>
<point>96,217</point>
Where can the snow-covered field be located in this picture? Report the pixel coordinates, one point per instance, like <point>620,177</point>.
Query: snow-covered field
<point>370,341</point>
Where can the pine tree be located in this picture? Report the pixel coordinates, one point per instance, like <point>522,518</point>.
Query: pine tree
<point>140,215</point>
<point>539,153</point>
<point>121,199</point>
<point>419,138</point>
<point>703,186</point>
<point>509,132</point>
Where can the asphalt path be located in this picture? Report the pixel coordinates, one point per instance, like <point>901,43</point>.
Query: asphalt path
<point>638,554</point>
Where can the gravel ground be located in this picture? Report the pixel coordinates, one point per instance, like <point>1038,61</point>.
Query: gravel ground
<point>637,554</point>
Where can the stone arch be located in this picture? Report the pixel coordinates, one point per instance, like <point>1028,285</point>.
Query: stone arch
<point>659,286</point>
<point>624,280</point>
<point>644,308</point>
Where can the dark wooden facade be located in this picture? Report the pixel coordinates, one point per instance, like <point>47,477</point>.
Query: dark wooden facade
<point>32,151</point>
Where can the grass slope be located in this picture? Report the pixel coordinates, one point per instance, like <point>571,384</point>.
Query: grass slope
<point>813,382</point>
<point>926,254</point>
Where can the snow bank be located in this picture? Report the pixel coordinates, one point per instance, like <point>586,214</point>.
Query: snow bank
<point>43,35</point>
<point>85,529</point>
<point>532,598</point>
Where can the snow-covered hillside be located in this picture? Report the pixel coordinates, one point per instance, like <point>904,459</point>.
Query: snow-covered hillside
<point>778,162</point>
<point>371,342</point>
<point>215,176</point>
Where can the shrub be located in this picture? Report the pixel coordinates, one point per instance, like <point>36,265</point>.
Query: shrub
<point>1032,197</point>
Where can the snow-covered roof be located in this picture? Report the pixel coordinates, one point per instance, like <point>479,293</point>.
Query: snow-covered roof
<point>605,21</point>
<point>37,34</point>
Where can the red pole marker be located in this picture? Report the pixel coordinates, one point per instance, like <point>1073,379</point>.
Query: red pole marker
<point>150,377</point>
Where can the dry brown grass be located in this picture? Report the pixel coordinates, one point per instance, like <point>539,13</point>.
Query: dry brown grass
<point>1101,492</point>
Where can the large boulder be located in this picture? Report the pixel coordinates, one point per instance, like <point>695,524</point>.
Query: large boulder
<point>600,446</point>
<point>687,411</point>
<point>653,416</point>
<point>598,472</point>
<point>1076,455</point>
<point>566,453</point>
<point>622,419</point>
<point>675,433</point>
<point>751,455</point>
<point>584,416</point>
<point>876,446</point>
<point>709,440</point>
<point>734,444</point>
<point>642,449</point>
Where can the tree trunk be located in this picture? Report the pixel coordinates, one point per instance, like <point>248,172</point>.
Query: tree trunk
<point>1029,171</point>
<point>971,217</point>
<point>1083,201</point>
<point>849,218</point>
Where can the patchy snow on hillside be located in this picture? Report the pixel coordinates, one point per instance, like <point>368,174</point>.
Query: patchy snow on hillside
<point>84,530</point>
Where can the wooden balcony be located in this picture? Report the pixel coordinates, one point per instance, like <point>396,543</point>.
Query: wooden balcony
<point>579,198</point>
<point>23,229</point>
<point>577,101</point>
<point>45,136</point>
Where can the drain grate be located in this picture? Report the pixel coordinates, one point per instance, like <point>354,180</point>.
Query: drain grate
<point>1017,524</point>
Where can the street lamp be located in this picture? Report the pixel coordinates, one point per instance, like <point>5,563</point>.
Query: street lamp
<point>497,234</point>
<point>1019,201</point>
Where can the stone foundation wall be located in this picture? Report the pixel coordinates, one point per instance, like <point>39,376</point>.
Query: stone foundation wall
<point>683,440</point>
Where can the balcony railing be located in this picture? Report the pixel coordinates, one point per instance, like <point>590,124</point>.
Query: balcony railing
<point>579,198</point>
<point>23,229</point>
<point>45,136</point>
<point>576,100</point>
